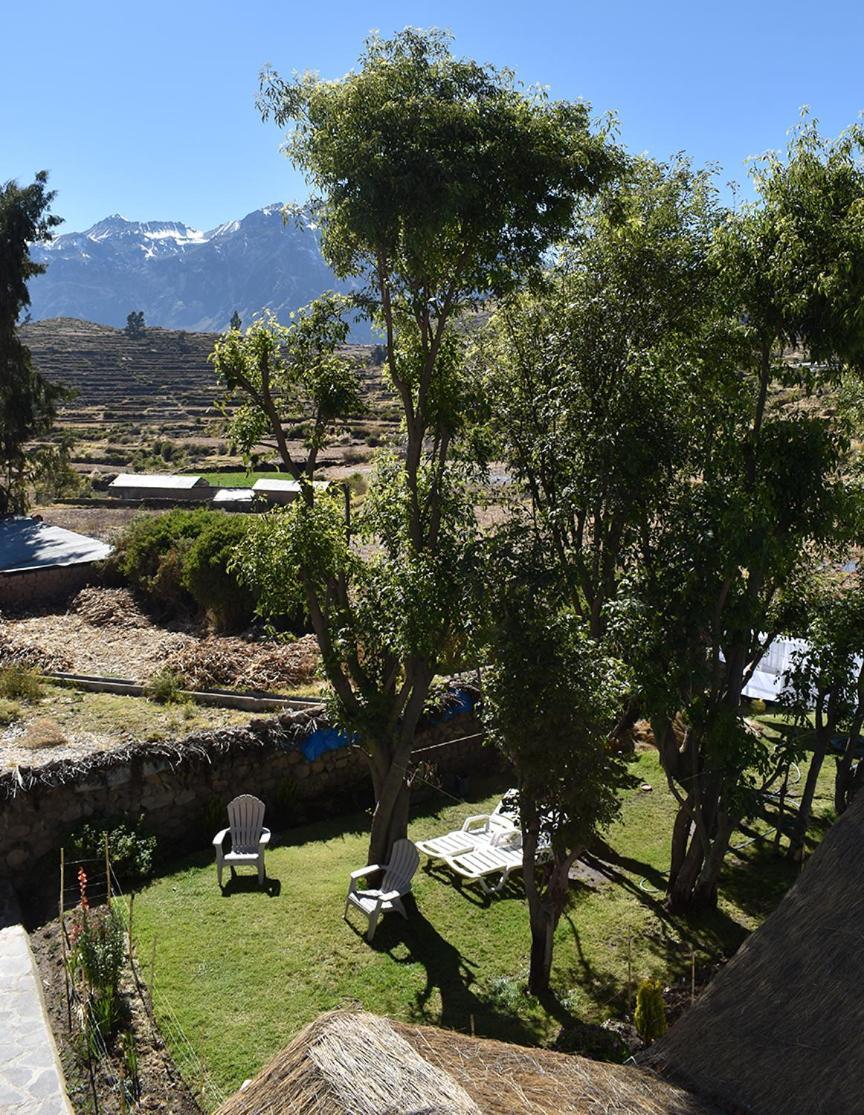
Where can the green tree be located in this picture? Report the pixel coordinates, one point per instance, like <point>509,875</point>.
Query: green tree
<point>551,698</point>
<point>28,402</point>
<point>236,322</point>
<point>276,377</point>
<point>738,536</point>
<point>824,688</point>
<point>439,182</point>
<point>134,327</point>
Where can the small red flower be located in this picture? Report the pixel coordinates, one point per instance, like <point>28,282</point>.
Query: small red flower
<point>82,886</point>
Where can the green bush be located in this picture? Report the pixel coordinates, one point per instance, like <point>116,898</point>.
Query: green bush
<point>649,1017</point>
<point>10,711</point>
<point>20,684</point>
<point>208,577</point>
<point>165,687</point>
<point>95,965</point>
<point>179,561</point>
<point>130,850</point>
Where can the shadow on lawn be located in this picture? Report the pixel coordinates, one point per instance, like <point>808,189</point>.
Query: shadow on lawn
<point>452,975</point>
<point>248,884</point>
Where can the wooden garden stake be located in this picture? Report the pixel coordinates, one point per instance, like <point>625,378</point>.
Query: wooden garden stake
<point>692,977</point>
<point>107,867</point>
<point>629,971</point>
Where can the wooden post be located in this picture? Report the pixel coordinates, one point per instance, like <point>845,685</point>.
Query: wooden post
<point>781,808</point>
<point>629,971</point>
<point>152,970</point>
<point>692,977</point>
<point>107,867</point>
<point>63,942</point>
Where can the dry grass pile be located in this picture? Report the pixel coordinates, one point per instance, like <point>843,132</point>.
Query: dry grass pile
<point>15,651</point>
<point>42,731</point>
<point>356,1062</point>
<point>220,662</point>
<point>108,607</point>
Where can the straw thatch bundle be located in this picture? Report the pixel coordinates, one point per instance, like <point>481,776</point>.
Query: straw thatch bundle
<point>348,1063</point>
<point>779,1029</point>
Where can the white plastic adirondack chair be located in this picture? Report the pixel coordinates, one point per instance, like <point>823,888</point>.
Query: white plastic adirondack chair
<point>249,838</point>
<point>396,883</point>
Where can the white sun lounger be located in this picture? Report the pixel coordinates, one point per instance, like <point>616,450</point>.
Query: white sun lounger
<point>500,855</point>
<point>475,832</point>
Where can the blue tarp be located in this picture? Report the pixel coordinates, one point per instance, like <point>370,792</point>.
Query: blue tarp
<point>332,739</point>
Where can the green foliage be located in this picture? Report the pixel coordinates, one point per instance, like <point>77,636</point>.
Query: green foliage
<point>28,402</point>
<point>649,1017</point>
<point>164,687</point>
<point>182,561</point>
<point>20,684</point>
<point>236,322</point>
<point>10,711</point>
<point>209,576</point>
<point>412,155</point>
<point>134,327</point>
<point>95,962</point>
<point>282,375</point>
<point>131,849</point>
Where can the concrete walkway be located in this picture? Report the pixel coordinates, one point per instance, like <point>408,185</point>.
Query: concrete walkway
<point>31,1080</point>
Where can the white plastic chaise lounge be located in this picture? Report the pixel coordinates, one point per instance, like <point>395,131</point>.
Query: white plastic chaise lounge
<point>395,884</point>
<point>249,838</point>
<point>499,856</point>
<point>475,833</point>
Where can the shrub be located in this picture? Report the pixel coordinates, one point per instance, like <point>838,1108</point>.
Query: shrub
<point>95,965</point>
<point>208,576</point>
<point>130,850</point>
<point>180,561</point>
<point>20,684</point>
<point>164,687</point>
<point>10,711</point>
<point>650,1015</point>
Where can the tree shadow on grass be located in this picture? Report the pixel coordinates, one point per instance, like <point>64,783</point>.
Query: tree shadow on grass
<point>464,1005</point>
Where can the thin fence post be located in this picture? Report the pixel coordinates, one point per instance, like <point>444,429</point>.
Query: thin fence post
<point>692,977</point>
<point>63,942</point>
<point>629,970</point>
<point>107,867</point>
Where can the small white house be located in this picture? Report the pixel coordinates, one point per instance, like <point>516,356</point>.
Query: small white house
<point>160,485</point>
<point>283,491</point>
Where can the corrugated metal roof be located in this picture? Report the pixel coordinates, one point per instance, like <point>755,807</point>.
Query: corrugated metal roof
<point>276,486</point>
<point>234,495</point>
<point>28,544</point>
<point>155,480</point>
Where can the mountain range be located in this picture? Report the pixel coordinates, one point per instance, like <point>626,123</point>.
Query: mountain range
<point>180,277</point>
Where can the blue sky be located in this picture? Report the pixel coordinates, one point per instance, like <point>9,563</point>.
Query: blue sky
<point>148,109</point>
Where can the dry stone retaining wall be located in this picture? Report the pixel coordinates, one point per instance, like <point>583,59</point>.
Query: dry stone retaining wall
<point>181,789</point>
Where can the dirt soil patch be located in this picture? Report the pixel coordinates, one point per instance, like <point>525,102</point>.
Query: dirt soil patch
<point>162,1088</point>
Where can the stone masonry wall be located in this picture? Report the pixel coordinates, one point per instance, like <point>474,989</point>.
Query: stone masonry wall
<point>181,790</point>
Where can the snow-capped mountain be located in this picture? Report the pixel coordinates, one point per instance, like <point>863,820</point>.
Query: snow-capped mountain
<point>180,277</point>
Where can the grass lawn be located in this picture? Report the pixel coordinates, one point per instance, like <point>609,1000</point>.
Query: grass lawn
<point>245,971</point>
<point>240,478</point>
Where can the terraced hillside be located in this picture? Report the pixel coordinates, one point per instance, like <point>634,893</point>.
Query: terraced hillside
<point>132,392</point>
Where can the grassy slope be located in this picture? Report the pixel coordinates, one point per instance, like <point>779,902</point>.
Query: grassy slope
<point>244,972</point>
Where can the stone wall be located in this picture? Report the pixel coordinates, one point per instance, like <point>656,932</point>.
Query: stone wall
<point>30,589</point>
<point>181,789</point>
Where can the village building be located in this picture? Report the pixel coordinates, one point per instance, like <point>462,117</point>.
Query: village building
<point>162,486</point>
<point>42,564</point>
<point>283,491</point>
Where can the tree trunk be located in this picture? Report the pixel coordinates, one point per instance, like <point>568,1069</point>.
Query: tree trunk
<point>805,806</point>
<point>393,800</point>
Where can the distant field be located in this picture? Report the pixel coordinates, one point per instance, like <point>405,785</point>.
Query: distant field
<point>235,479</point>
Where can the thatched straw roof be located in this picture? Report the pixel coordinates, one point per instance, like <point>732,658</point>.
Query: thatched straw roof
<point>779,1029</point>
<point>351,1063</point>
